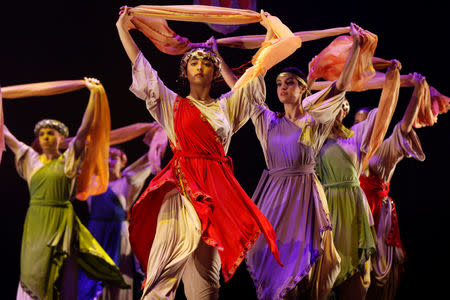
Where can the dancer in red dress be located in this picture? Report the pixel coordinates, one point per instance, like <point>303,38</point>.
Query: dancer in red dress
<point>194,218</point>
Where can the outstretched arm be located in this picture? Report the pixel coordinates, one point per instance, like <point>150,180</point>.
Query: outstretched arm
<point>226,71</point>
<point>413,107</point>
<point>11,141</point>
<point>124,26</point>
<point>88,117</point>
<point>343,83</point>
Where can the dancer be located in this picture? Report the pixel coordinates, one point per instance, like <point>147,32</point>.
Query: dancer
<point>289,194</point>
<point>194,217</point>
<point>403,142</point>
<point>108,213</point>
<point>339,164</point>
<point>54,240</point>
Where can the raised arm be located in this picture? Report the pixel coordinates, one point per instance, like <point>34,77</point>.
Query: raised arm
<point>83,130</point>
<point>413,107</point>
<point>124,26</point>
<point>11,141</point>
<point>343,83</point>
<point>226,71</point>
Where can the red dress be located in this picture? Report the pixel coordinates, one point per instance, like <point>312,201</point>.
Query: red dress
<point>376,190</point>
<point>231,222</point>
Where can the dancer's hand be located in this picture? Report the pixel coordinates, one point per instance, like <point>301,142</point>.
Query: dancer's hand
<point>124,20</point>
<point>91,82</point>
<point>355,32</point>
<point>416,79</point>
<point>211,43</point>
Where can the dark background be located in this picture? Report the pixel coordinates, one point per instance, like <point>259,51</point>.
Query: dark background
<point>62,40</point>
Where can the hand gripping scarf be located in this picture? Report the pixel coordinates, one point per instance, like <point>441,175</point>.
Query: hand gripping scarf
<point>281,46</point>
<point>431,102</point>
<point>94,176</point>
<point>329,63</point>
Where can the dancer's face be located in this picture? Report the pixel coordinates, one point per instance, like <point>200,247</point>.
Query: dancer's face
<point>289,89</point>
<point>50,139</point>
<point>200,71</point>
<point>344,111</point>
<point>360,116</point>
<point>115,160</point>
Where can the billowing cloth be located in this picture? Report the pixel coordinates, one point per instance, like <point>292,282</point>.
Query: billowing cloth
<point>390,251</point>
<point>329,63</point>
<point>52,232</point>
<point>386,107</point>
<point>201,141</point>
<point>255,41</point>
<point>432,102</point>
<point>93,178</point>
<point>278,48</point>
<point>292,198</point>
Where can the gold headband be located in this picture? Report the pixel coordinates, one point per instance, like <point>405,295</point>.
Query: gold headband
<point>299,79</point>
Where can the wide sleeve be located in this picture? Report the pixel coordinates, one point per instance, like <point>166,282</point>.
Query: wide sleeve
<point>357,145</point>
<point>26,161</point>
<point>393,150</point>
<point>321,110</point>
<point>239,104</point>
<point>159,99</point>
<point>261,117</point>
<point>72,163</point>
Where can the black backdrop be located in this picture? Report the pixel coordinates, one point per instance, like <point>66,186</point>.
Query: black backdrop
<point>45,41</point>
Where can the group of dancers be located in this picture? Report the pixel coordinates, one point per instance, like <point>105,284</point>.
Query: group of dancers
<point>319,225</point>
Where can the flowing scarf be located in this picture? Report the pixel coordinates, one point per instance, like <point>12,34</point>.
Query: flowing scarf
<point>329,63</point>
<point>431,102</point>
<point>94,175</point>
<point>283,44</point>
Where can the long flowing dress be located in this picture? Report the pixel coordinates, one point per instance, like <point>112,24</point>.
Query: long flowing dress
<point>195,200</point>
<point>292,198</point>
<point>390,251</point>
<point>108,224</point>
<point>339,164</point>
<point>54,240</point>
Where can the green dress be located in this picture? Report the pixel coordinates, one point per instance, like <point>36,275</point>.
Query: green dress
<point>52,232</point>
<point>339,164</point>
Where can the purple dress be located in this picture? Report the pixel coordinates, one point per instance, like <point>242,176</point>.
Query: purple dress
<point>290,195</point>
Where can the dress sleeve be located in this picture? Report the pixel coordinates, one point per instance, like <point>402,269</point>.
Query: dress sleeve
<point>26,161</point>
<point>321,110</point>
<point>393,150</point>
<point>71,162</point>
<point>357,145</point>
<point>159,99</point>
<point>239,104</point>
<point>136,174</point>
<point>261,117</point>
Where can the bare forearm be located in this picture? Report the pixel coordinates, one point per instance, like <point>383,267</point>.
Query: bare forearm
<point>128,43</point>
<point>11,141</point>
<point>83,130</point>
<point>344,81</point>
<point>411,112</point>
<point>227,73</point>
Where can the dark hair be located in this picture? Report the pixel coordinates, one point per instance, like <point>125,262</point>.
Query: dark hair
<point>365,109</point>
<point>296,71</point>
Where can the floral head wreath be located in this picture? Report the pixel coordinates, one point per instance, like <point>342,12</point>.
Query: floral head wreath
<point>199,53</point>
<point>54,124</point>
